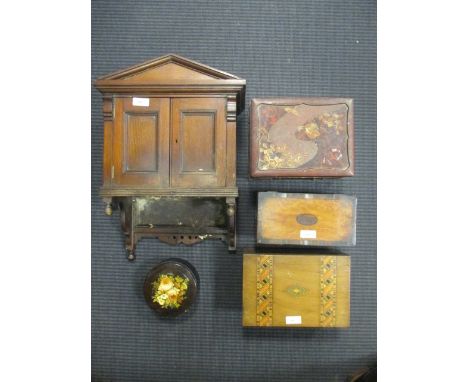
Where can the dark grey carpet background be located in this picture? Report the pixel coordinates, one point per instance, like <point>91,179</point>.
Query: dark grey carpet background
<point>282,48</point>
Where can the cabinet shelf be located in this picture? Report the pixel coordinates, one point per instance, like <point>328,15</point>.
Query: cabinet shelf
<point>195,192</point>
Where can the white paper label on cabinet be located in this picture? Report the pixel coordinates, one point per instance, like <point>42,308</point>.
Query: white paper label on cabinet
<point>293,320</point>
<point>308,234</point>
<point>140,101</point>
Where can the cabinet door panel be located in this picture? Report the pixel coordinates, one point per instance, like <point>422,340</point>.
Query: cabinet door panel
<point>198,145</point>
<point>198,129</point>
<point>141,143</point>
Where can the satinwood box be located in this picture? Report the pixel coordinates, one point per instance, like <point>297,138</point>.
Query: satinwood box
<point>306,219</point>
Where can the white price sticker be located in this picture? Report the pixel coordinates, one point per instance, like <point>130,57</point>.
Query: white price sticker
<point>308,234</point>
<point>140,101</point>
<point>293,320</point>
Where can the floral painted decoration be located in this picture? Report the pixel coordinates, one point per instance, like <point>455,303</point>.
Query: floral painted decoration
<point>298,136</point>
<point>170,291</point>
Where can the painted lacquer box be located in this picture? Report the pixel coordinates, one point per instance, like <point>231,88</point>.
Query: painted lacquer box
<point>296,290</point>
<point>306,219</point>
<point>301,137</point>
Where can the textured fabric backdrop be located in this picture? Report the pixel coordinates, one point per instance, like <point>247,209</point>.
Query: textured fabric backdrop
<point>282,48</point>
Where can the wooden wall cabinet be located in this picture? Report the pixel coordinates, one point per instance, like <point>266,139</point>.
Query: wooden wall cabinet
<point>169,160</point>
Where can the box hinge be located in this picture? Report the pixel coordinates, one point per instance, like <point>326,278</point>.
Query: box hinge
<point>112,172</point>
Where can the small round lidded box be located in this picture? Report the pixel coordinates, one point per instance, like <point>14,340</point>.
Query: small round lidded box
<point>171,287</point>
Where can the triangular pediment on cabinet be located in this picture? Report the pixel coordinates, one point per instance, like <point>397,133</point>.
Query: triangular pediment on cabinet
<point>169,69</point>
<point>173,75</point>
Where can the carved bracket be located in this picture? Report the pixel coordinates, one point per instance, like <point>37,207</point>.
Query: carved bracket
<point>108,109</point>
<point>180,239</point>
<point>231,109</point>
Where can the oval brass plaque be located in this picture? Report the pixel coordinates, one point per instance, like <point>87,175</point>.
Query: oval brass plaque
<point>306,219</point>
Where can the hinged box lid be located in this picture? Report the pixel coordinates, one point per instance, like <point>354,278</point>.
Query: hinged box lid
<point>301,137</point>
<point>296,290</point>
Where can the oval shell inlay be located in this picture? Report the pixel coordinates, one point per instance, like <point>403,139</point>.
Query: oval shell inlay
<point>306,219</point>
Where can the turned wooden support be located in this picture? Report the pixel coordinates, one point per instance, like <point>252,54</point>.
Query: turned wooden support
<point>108,209</point>
<point>126,222</point>
<point>231,228</point>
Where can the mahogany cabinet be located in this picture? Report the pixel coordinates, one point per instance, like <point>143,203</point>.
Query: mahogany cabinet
<point>169,160</point>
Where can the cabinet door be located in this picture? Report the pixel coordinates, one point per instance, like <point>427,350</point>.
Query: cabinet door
<point>141,142</point>
<point>198,144</point>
